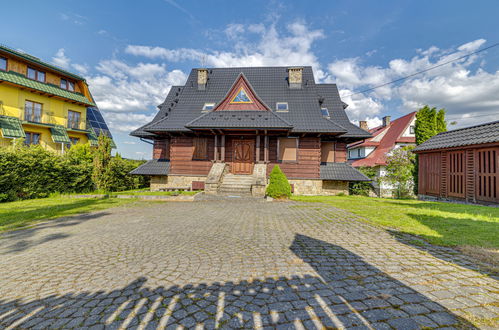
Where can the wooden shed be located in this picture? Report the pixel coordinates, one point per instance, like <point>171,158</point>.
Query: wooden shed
<point>462,164</point>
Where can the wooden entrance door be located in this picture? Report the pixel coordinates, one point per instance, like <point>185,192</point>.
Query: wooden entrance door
<point>242,158</point>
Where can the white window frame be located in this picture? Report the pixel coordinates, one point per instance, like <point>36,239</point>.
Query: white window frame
<point>208,104</point>
<point>328,115</point>
<point>280,110</point>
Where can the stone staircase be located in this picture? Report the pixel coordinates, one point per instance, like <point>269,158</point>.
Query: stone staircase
<point>236,185</point>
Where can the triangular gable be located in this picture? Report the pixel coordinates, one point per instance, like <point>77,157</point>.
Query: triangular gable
<point>241,96</point>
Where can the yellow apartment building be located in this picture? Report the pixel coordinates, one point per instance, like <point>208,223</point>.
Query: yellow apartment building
<point>44,104</point>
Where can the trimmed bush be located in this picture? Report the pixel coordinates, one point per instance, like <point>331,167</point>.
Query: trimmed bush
<point>278,184</point>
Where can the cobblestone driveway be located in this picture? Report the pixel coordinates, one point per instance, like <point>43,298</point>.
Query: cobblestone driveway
<point>234,264</point>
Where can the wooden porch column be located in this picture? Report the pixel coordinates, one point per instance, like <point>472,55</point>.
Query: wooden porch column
<point>222,152</point>
<point>266,151</point>
<point>215,151</point>
<point>258,148</point>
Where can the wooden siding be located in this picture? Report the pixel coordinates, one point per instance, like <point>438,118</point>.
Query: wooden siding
<point>471,174</point>
<point>309,159</point>
<point>161,149</point>
<point>181,153</point>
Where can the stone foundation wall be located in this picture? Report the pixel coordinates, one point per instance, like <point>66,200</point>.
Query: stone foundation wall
<point>174,181</point>
<point>306,187</point>
<point>334,187</point>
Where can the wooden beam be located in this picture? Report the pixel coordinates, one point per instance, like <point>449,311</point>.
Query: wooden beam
<point>215,152</point>
<point>222,151</point>
<point>266,150</point>
<point>258,148</point>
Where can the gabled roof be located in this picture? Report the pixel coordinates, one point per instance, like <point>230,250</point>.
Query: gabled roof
<point>479,134</point>
<point>384,140</point>
<point>183,104</point>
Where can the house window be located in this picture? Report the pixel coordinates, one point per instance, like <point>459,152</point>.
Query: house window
<point>412,129</point>
<point>359,153</point>
<point>287,149</point>
<point>36,75</point>
<point>281,107</point>
<point>73,141</point>
<point>3,64</point>
<point>32,138</point>
<point>66,84</point>
<point>32,111</point>
<point>200,146</point>
<point>325,112</point>
<point>208,107</point>
<point>74,119</point>
<point>327,152</point>
<point>241,97</point>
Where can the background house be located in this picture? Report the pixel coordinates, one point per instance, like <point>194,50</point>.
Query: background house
<point>462,165</point>
<point>226,128</point>
<point>45,105</point>
<point>372,152</point>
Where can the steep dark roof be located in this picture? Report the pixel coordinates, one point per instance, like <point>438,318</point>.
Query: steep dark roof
<point>239,119</point>
<point>479,134</point>
<point>183,104</point>
<point>342,172</point>
<point>153,167</point>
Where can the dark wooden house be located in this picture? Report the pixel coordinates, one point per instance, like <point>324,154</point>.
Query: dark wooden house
<point>226,128</point>
<point>462,164</point>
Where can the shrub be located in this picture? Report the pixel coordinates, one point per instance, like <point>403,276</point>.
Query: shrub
<point>362,188</point>
<point>278,184</point>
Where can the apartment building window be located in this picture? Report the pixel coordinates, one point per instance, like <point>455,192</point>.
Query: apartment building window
<point>69,85</point>
<point>36,75</point>
<point>287,149</point>
<point>74,119</point>
<point>32,111</point>
<point>32,138</point>
<point>3,64</point>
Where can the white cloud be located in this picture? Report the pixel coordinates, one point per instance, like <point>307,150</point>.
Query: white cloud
<point>461,87</point>
<point>60,59</point>
<point>271,48</point>
<point>126,92</point>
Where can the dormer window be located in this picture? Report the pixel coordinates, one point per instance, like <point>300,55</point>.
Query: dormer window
<point>281,107</point>
<point>325,112</point>
<point>36,75</point>
<point>208,107</point>
<point>69,85</point>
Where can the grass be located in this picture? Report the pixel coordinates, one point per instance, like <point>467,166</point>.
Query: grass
<point>443,224</point>
<point>15,215</point>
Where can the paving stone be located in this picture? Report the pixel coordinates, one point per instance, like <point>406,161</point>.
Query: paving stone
<point>283,261</point>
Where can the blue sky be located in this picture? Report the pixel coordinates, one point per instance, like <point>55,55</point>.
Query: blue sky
<point>131,52</point>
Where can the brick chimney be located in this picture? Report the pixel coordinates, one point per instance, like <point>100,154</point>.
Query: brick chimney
<point>202,78</point>
<point>295,77</point>
<point>386,121</point>
<point>363,125</point>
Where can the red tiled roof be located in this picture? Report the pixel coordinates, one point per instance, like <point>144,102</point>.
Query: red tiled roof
<point>387,142</point>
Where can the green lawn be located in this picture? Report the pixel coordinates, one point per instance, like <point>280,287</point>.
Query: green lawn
<point>439,223</point>
<point>18,214</point>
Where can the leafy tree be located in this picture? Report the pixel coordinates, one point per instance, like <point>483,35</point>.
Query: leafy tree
<point>429,122</point>
<point>399,171</point>
<point>363,188</point>
<point>102,157</point>
<point>279,186</point>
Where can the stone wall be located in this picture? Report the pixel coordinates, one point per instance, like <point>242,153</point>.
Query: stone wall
<point>306,187</point>
<point>334,187</point>
<point>174,181</point>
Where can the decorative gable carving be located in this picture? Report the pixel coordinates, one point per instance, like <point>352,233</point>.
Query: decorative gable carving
<point>241,96</point>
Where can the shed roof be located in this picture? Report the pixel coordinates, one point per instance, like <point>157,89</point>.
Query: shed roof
<point>342,172</point>
<point>479,134</point>
<point>153,167</point>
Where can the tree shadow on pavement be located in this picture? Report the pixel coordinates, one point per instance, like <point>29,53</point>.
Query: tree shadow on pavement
<point>347,293</point>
